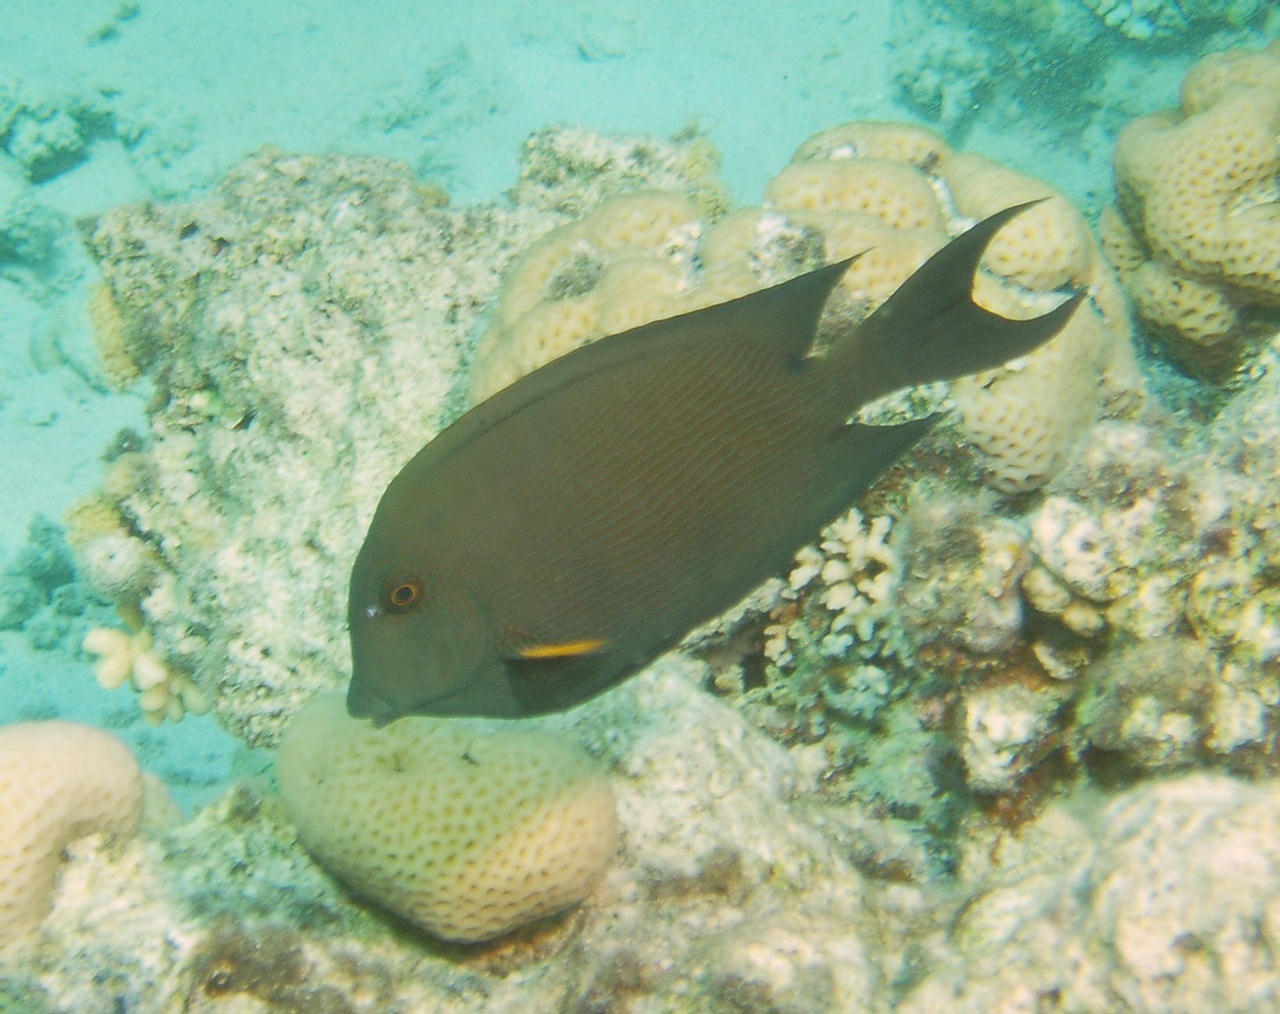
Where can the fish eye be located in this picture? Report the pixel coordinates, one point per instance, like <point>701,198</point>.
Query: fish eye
<point>403,594</point>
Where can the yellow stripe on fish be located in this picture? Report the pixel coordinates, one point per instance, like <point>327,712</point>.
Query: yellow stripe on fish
<point>567,649</point>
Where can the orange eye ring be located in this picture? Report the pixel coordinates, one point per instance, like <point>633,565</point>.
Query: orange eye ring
<point>404,594</point>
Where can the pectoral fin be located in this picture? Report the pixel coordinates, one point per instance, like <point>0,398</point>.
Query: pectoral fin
<point>556,675</point>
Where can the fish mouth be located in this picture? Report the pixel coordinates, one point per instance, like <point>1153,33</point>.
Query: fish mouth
<point>487,686</point>
<point>363,704</point>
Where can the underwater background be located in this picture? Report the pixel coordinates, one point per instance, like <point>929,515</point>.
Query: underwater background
<point>1004,739</point>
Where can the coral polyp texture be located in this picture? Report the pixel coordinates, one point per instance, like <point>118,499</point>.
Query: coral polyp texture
<point>1195,233</point>
<point>1088,907</point>
<point>466,833</point>
<point>58,782</point>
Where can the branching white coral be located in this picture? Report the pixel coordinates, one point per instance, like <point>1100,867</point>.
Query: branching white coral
<point>857,570</point>
<point>162,692</point>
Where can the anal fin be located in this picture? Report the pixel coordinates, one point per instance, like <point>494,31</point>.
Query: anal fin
<point>867,452</point>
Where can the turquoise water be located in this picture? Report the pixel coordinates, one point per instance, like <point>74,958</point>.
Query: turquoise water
<point>107,104</point>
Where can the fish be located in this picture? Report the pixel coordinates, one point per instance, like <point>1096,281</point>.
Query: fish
<point>566,531</point>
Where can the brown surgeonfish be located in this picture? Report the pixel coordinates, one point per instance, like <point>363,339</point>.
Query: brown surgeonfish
<point>566,531</point>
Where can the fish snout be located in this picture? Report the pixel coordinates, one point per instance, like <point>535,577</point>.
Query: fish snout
<point>364,703</point>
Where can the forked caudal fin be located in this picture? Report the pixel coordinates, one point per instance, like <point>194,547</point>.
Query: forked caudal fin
<point>931,329</point>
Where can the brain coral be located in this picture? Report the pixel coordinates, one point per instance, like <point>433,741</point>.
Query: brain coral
<point>464,833</point>
<point>582,281</point>
<point>1196,229</point>
<point>58,781</point>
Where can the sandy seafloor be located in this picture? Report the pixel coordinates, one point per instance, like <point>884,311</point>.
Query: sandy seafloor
<point>185,90</point>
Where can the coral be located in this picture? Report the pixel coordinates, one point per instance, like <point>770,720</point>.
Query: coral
<point>45,141</point>
<point>961,569</point>
<point>301,288</point>
<point>1145,20</point>
<point>90,517</point>
<point>1152,561</point>
<point>58,781</point>
<point>984,64</point>
<point>1135,600</point>
<point>862,188</point>
<point>465,833</point>
<point>1163,898</point>
<point>110,338</point>
<point>33,242</point>
<point>1007,728</point>
<point>118,565</point>
<point>895,192</point>
<point>571,169</point>
<point>44,558</point>
<point>582,281</point>
<point>895,142</point>
<point>113,560</point>
<point>637,289</point>
<point>19,996</point>
<point>824,630</point>
<point>1045,247</point>
<point>1149,702</point>
<point>163,692</point>
<point>737,884</point>
<point>268,965</point>
<point>20,600</point>
<point>281,320</point>
<point>262,315</point>
<point>637,221</point>
<point>1197,236</point>
<point>1025,417</point>
<point>735,879</point>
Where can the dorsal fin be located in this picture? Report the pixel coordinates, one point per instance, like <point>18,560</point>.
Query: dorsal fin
<point>783,317</point>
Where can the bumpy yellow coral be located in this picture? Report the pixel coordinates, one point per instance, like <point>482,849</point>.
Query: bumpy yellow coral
<point>1043,248</point>
<point>1026,416</point>
<point>58,782</point>
<point>573,285</point>
<point>465,833</point>
<point>895,192</point>
<point>110,338</point>
<point>889,255</point>
<point>897,142</point>
<point>91,517</point>
<point>637,289</point>
<point>1198,194</point>
<point>890,193</point>
<point>638,221</point>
